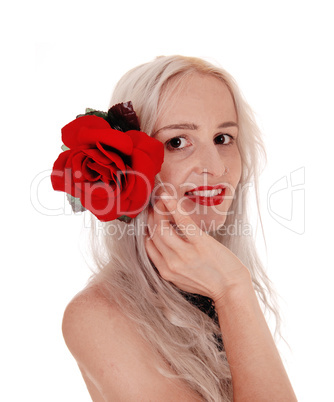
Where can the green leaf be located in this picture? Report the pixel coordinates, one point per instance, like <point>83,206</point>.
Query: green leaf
<point>64,148</point>
<point>75,203</point>
<point>124,218</point>
<point>97,113</point>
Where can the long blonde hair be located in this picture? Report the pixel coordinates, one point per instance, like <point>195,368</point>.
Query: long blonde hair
<point>183,335</point>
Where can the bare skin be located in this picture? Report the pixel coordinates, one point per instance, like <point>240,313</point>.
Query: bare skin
<point>114,360</point>
<point>199,264</point>
<point>116,363</point>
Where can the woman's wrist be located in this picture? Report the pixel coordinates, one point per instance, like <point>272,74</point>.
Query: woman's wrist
<point>237,287</point>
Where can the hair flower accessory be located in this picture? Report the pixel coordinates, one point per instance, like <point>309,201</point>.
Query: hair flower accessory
<point>107,165</point>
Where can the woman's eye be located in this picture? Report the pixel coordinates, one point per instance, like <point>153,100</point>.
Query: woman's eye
<point>176,143</point>
<point>223,139</point>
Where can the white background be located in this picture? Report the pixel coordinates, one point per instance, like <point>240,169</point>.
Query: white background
<point>59,58</point>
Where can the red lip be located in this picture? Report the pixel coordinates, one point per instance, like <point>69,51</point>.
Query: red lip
<point>208,201</point>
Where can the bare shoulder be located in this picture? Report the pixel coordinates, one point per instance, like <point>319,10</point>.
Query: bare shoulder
<point>88,314</point>
<point>89,311</point>
<point>96,332</point>
<point>116,363</point>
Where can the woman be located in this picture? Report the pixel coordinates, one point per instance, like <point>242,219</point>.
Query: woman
<point>173,314</point>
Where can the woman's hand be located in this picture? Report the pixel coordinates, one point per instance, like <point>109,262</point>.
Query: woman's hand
<point>187,256</point>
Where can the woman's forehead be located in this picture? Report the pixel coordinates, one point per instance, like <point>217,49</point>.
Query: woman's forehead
<point>196,92</point>
<point>179,83</point>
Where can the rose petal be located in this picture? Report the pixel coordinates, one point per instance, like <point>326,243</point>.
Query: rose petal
<point>112,156</point>
<point>128,180</point>
<point>111,213</point>
<point>77,164</point>
<point>143,167</point>
<point>143,164</point>
<point>98,156</point>
<point>88,173</point>
<point>70,132</point>
<point>101,200</point>
<point>87,130</point>
<point>153,148</point>
<point>99,169</point>
<point>58,175</point>
<point>112,138</point>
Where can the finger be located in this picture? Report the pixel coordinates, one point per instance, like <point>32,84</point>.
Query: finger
<point>155,256</point>
<point>185,224</point>
<point>156,222</point>
<point>150,222</point>
<point>164,237</point>
<point>171,244</point>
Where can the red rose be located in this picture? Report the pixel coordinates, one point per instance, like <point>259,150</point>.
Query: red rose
<point>110,171</point>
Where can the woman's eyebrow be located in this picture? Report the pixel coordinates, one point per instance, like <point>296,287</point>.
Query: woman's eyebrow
<point>228,124</point>
<point>181,126</point>
<point>191,126</point>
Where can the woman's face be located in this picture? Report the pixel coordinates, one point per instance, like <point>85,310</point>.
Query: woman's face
<point>202,164</point>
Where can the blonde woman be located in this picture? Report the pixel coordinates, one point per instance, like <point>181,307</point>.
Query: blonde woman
<point>175,309</point>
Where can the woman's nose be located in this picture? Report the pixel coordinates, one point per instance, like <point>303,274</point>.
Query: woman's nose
<point>210,161</point>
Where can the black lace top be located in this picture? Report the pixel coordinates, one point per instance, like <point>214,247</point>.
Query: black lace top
<point>207,306</point>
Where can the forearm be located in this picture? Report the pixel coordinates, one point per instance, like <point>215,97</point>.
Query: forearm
<point>257,370</point>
